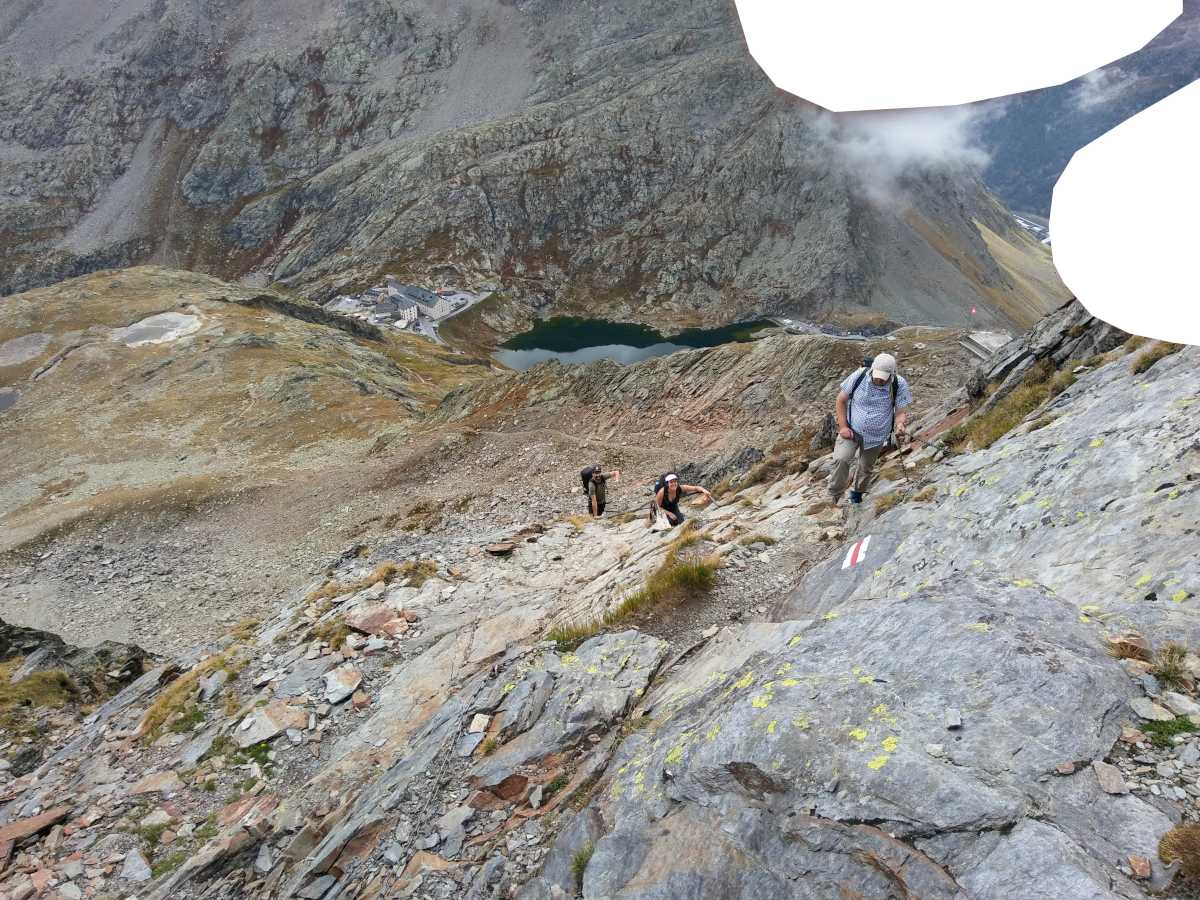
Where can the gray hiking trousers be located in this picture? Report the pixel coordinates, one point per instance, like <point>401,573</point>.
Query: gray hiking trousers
<point>845,453</point>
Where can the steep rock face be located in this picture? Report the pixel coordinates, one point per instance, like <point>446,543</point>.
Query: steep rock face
<point>799,764</point>
<point>634,159</point>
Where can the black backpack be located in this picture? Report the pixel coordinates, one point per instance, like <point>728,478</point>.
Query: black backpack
<point>586,476</point>
<point>854,388</point>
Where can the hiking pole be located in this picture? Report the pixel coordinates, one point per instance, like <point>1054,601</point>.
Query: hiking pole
<point>935,444</point>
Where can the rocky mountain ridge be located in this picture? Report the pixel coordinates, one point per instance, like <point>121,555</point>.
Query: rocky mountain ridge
<point>632,163</point>
<point>402,727</point>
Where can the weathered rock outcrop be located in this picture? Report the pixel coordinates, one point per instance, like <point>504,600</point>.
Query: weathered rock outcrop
<point>633,160</point>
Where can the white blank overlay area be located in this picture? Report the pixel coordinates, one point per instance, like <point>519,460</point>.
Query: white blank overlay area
<point>851,55</point>
<point>1123,221</point>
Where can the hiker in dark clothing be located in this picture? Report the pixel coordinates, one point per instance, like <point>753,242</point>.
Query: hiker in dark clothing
<point>667,494</point>
<point>595,482</point>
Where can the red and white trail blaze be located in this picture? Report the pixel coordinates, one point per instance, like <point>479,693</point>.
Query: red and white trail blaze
<point>856,553</point>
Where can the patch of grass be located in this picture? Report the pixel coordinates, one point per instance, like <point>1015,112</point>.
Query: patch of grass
<point>244,629</point>
<point>190,718</point>
<point>424,515</point>
<point>579,863</point>
<point>151,835</point>
<point>626,517</point>
<point>555,785</point>
<point>169,863</point>
<point>925,494</point>
<point>489,746</point>
<point>675,581</point>
<point>176,696</point>
<point>1133,342</point>
<point>757,538</point>
<point>1182,843</point>
<point>1043,382</point>
<point>1147,358</point>
<point>1040,423</point>
<point>1168,666</point>
<point>333,631</point>
<point>208,830</point>
<point>51,688</point>
<point>578,521</point>
<point>1160,733</point>
<point>417,571</point>
<point>887,501</point>
<point>787,457</point>
<point>385,572</point>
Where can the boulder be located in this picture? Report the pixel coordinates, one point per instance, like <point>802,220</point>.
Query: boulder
<point>264,723</point>
<point>341,683</point>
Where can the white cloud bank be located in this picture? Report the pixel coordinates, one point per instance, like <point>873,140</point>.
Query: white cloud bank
<point>881,148</point>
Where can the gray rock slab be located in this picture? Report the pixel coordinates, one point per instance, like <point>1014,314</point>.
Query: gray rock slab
<point>193,751</point>
<point>303,676</point>
<point>1149,710</point>
<point>135,868</point>
<point>1109,778</point>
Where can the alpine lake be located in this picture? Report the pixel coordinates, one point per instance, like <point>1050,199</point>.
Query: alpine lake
<point>573,340</point>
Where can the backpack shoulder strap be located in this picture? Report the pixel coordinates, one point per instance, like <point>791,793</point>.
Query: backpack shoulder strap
<point>862,373</point>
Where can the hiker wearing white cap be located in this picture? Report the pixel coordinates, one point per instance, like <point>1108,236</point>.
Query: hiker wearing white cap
<point>668,491</point>
<point>870,409</point>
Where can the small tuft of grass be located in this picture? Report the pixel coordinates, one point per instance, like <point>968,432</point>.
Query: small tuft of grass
<point>385,572</point>
<point>190,717</point>
<point>175,697</point>
<point>51,688</point>
<point>555,785</point>
<point>1040,423</point>
<point>1133,342</point>
<point>578,521</point>
<point>925,494</point>
<point>1182,843</point>
<point>151,835</point>
<point>1168,666</point>
<point>417,571</point>
<point>244,629</point>
<point>757,538</point>
<point>1160,733</point>
<point>208,830</point>
<point>1148,357</point>
<point>169,863</point>
<point>333,631</point>
<point>579,863</point>
<point>887,501</point>
<point>676,581</point>
<point>489,746</point>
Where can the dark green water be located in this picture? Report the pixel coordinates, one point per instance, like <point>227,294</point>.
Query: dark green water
<point>573,340</point>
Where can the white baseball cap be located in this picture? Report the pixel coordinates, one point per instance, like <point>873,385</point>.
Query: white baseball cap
<point>671,478</point>
<point>884,366</point>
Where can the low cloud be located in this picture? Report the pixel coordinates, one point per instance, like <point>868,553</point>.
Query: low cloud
<point>884,147</point>
<point>1102,87</point>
